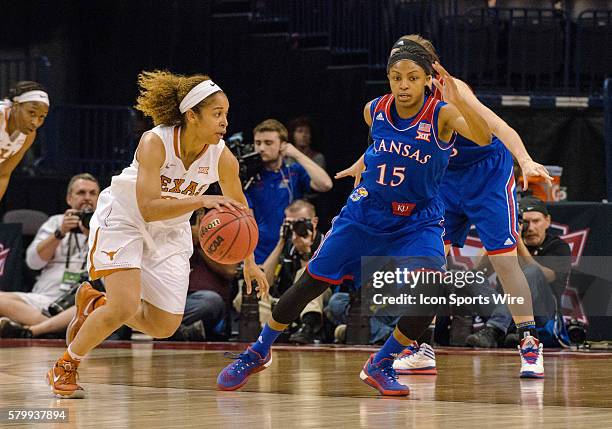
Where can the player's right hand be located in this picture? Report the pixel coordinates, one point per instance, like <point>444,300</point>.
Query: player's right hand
<point>217,201</point>
<point>354,170</point>
<point>531,168</point>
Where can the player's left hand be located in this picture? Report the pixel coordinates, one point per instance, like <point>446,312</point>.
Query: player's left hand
<point>354,170</point>
<point>531,168</point>
<point>252,272</point>
<point>449,90</point>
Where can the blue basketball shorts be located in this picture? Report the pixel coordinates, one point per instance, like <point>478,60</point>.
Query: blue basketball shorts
<point>483,195</point>
<point>338,257</point>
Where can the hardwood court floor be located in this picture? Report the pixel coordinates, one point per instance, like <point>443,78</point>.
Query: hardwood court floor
<point>150,386</point>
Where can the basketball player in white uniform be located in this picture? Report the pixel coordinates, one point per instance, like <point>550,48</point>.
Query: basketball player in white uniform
<point>140,237</point>
<point>21,114</point>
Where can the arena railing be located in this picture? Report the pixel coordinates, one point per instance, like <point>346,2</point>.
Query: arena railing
<point>518,50</point>
<point>14,69</point>
<point>592,59</point>
<point>607,90</point>
<point>96,139</point>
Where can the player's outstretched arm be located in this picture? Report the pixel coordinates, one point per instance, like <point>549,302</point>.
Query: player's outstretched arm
<point>229,180</point>
<point>508,136</point>
<point>151,155</point>
<point>458,115</point>
<point>354,170</point>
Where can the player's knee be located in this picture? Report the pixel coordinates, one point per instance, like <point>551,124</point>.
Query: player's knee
<point>123,309</point>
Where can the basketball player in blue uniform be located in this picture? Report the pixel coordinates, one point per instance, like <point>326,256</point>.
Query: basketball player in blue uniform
<point>396,211</point>
<point>478,188</point>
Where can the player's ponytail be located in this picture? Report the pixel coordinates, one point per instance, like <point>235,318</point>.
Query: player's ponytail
<point>161,93</point>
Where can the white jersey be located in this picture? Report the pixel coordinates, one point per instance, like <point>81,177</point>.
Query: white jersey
<point>9,144</point>
<point>120,238</point>
<point>175,180</point>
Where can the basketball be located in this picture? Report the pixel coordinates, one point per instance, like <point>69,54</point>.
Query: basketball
<point>228,236</point>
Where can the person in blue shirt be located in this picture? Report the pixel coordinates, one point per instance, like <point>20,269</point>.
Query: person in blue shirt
<point>278,183</point>
<point>396,211</point>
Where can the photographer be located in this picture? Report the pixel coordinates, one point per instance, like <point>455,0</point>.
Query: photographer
<point>299,238</point>
<point>279,184</point>
<point>546,261</point>
<point>60,251</point>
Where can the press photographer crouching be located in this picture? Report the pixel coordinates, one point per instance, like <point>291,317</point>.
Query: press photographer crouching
<point>299,238</point>
<point>546,261</point>
<point>60,251</point>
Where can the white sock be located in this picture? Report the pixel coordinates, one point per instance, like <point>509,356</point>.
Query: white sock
<point>73,355</point>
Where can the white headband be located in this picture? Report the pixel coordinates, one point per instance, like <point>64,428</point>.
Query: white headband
<point>37,95</point>
<point>197,94</point>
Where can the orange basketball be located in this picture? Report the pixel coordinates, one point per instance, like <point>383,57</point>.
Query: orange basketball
<point>228,236</point>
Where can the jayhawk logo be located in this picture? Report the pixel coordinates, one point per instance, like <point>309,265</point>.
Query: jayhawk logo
<point>358,193</point>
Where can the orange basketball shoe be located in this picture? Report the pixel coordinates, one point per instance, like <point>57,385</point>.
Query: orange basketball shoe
<point>87,299</point>
<point>63,380</point>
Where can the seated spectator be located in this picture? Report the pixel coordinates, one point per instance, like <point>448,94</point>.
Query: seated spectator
<point>60,251</point>
<point>301,132</point>
<point>208,297</point>
<point>299,238</point>
<point>336,312</point>
<point>50,325</point>
<point>546,262</point>
<point>279,184</point>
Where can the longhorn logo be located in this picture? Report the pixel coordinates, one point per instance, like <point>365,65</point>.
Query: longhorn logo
<point>111,255</point>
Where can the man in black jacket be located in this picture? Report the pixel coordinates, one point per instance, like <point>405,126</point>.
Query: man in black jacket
<point>545,260</point>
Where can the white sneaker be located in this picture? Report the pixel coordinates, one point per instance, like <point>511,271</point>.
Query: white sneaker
<point>532,358</point>
<point>415,360</point>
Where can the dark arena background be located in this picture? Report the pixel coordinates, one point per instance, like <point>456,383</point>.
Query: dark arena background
<point>544,67</point>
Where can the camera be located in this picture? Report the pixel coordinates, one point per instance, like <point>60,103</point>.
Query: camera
<point>249,160</point>
<point>67,299</point>
<point>85,217</point>
<point>577,332</point>
<point>299,226</point>
<point>523,224</point>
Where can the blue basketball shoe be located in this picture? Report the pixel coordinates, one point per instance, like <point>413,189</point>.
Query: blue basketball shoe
<point>383,378</point>
<point>237,373</point>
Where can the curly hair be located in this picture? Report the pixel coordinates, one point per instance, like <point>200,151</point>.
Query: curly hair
<point>24,86</point>
<point>161,93</point>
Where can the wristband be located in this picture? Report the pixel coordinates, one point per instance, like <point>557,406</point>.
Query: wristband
<point>58,234</point>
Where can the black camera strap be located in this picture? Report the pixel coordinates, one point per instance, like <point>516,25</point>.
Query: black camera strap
<point>78,249</point>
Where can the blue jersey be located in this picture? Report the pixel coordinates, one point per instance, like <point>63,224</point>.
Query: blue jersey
<point>396,210</point>
<point>269,196</point>
<point>466,152</point>
<point>406,162</point>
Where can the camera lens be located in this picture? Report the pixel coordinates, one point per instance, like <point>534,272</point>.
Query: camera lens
<point>301,227</point>
<point>85,217</point>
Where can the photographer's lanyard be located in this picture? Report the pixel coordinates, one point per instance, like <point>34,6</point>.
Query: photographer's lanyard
<point>70,277</point>
<point>287,180</point>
